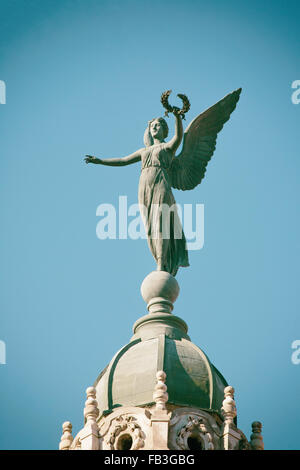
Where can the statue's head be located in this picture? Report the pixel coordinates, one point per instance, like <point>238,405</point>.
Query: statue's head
<point>157,128</point>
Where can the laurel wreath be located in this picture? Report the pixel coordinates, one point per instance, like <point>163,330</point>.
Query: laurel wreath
<point>173,109</point>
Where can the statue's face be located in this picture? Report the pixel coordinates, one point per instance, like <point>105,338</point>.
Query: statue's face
<point>156,130</point>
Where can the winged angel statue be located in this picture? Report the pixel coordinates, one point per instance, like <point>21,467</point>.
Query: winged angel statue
<point>162,170</point>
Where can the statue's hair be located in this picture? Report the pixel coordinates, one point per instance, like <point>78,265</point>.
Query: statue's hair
<point>148,139</point>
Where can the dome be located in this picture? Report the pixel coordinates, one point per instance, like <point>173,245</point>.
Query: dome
<point>160,343</point>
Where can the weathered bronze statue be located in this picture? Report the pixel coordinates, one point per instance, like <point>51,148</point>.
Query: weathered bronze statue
<point>162,170</point>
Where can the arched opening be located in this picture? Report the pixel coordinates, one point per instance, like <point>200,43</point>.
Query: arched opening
<point>124,442</point>
<point>194,442</point>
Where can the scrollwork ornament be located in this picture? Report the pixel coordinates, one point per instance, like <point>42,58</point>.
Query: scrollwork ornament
<point>126,424</point>
<point>195,427</point>
<point>243,443</point>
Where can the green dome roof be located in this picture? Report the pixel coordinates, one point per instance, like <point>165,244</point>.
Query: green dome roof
<point>160,343</point>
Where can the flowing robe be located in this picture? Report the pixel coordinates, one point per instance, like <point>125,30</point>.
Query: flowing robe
<point>166,239</point>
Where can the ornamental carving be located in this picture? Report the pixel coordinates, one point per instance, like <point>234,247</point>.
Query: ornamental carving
<point>243,442</point>
<point>125,434</point>
<point>195,432</point>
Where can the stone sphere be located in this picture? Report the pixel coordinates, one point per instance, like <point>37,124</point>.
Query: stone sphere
<point>159,284</point>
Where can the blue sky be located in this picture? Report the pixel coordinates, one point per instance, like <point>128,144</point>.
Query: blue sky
<point>84,77</point>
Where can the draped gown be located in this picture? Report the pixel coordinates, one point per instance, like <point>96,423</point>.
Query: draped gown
<point>166,239</point>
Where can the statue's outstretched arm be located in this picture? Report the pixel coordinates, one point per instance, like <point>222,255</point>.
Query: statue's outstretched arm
<point>123,161</point>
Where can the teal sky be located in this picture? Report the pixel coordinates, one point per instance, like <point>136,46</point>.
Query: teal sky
<point>84,77</point>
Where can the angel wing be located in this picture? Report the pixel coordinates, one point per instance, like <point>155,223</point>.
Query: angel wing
<point>199,142</point>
